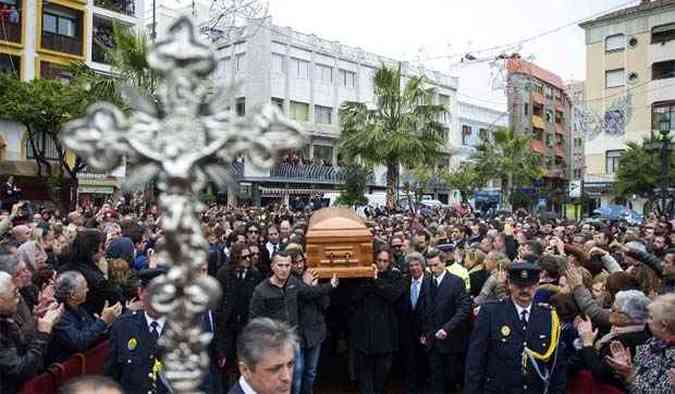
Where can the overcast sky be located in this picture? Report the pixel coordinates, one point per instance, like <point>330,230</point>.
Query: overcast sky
<point>409,30</point>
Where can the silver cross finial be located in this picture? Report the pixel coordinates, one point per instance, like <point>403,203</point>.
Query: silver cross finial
<point>192,139</point>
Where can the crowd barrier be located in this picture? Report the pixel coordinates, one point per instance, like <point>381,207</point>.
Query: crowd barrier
<point>89,363</point>
<point>584,383</point>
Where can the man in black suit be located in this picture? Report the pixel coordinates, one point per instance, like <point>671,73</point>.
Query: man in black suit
<point>413,353</point>
<point>265,350</point>
<point>445,316</point>
<point>133,345</point>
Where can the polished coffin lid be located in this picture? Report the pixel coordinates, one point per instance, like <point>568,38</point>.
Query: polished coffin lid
<point>338,242</point>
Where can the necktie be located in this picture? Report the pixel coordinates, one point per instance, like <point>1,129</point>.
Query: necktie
<point>523,318</point>
<point>414,293</point>
<point>274,249</point>
<point>154,329</point>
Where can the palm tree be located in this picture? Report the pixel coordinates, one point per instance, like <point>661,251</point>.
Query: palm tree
<point>129,62</point>
<point>402,129</point>
<point>510,159</point>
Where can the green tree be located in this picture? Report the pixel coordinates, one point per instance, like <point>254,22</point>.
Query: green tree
<point>128,58</point>
<point>508,158</point>
<point>402,129</point>
<point>639,170</point>
<point>354,189</point>
<point>466,179</point>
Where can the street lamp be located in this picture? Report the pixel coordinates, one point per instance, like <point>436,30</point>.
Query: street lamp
<point>664,198</point>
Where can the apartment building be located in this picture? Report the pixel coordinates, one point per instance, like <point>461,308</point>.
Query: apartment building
<point>630,87</point>
<point>39,37</point>
<point>309,78</point>
<point>539,106</point>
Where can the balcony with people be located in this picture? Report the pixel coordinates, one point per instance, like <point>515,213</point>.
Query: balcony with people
<point>126,7</point>
<point>10,20</point>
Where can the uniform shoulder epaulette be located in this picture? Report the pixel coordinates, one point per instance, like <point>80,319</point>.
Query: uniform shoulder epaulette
<point>495,302</point>
<point>544,305</point>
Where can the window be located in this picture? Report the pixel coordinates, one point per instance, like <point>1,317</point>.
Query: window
<point>616,42</point>
<point>323,114</point>
<point>445,134</point>
<point>445,102</point>
<point>239,65</point>
<point>663,70</point>
<point>526,108</point>
<point>299,111</point>
<point>466,134</point>
<point>612,160</point>
<point>664,33</point>
<point>663,116</point>
<point>240,106</point>
<point>348,79</point>
<point>614,78</point>
<point>324,74</point>
<point>549,140</point>
<point>10,64</point>
<point>279,102</point>
<point>549,116</point>
<point>548,92</point>
<point>277,63</point>
<point>539,88</point>
<point>483,134</point>
<point>60,21</point>
<point>43,143</point>
<point>300,68</point>
<point>558,117</point>
<point>323,153</point>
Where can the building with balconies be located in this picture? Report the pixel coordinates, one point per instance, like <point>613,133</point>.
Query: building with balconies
<point>630,83</point>
<point>539,106</point>
<point>309,78</point>
<point>37,39</point>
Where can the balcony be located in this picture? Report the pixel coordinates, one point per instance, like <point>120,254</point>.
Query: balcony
<point>126,7</point>
<point>61,43</point>
<point>102,40</point>
<point>10,24</point>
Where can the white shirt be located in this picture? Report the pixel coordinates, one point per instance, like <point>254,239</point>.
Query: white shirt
<point>439,279</point>
<point>270,247</point>
<point>418,281</point>
<point>520,310</point>
<point>160,323</point>
<point>245,387</point>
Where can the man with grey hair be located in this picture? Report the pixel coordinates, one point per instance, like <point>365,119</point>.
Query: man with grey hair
<point>410,309</point>
<point>21,276</point>
<point>20,357</point>
<point>266,350</point>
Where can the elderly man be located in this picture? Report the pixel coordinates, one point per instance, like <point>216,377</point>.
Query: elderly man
<point>21,276</point>
<point>20,357</point>
<point>266,351</point>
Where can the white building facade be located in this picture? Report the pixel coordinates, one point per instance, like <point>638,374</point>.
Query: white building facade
<point>309,78</point>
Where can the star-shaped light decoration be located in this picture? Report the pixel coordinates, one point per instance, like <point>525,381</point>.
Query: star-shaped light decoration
<point>193,139</point>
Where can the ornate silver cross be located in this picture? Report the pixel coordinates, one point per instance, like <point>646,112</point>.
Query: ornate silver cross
<point>192,139</point>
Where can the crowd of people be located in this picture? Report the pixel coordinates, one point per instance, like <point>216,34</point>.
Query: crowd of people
<point>456,301</point>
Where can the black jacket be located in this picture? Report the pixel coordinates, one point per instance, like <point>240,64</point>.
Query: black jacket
<point>447,307</point>
<point>595,361</point>
<point>411,319</point>
<point>233,312</point>
<point>20,358</point>
<point>312,327</point>
<point>278,303</point>
<point>76,332</point>
<point>656,264</point>
<point>374,324</point>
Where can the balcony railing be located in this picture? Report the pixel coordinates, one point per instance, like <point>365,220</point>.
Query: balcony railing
<point>60,43</point>
<point>102,40</point>
<point>126,7</point>
<point>10,26</point>
<point>308,172</point>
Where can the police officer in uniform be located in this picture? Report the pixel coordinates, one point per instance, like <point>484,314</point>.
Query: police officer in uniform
<point>514,346</point>
<point>134,354</point>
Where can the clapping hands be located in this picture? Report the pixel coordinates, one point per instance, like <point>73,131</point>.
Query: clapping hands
<point>620,360</point>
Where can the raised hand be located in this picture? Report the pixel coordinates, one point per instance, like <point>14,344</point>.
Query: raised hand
<point>620,359</point>
<point>53,314</point>
<point>586,331</point>
<point>334,281</point>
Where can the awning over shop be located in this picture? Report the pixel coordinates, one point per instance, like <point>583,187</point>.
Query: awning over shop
<point>96,190</point>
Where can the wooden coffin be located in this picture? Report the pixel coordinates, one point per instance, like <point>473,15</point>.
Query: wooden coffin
<point>338,242</point>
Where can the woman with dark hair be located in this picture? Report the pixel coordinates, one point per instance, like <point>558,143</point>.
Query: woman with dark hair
<point>88,248</point>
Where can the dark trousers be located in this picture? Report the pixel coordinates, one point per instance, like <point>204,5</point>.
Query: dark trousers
<point>372,371</point>
<point>443,370</point>
<point>415,367</point>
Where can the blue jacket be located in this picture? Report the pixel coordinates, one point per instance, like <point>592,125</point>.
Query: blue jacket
<point>76,332</point>
<point>494,360</point>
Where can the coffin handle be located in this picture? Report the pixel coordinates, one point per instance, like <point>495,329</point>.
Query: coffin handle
<point>348,257</point>
<point>331,257</point>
